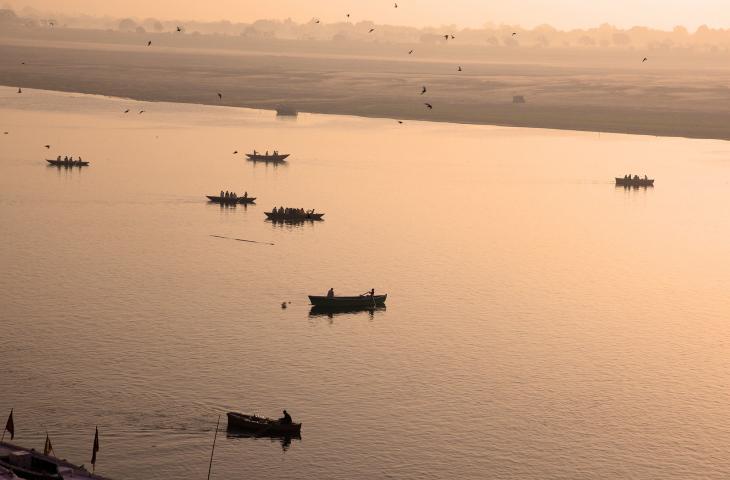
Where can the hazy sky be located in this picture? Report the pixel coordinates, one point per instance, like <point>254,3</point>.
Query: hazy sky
<point>559,13</point>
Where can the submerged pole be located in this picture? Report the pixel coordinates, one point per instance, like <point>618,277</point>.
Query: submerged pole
<point>210,466</point>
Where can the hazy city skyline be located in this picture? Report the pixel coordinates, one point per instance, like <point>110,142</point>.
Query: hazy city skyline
<point>467,13</point>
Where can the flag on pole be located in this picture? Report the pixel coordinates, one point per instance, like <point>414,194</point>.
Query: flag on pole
<point>96,447</point>
<point>10,426</point>
<point>48,448</point>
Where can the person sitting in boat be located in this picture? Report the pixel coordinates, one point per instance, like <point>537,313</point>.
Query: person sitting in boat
<point>59,158</point>
<point>245,194</point>
<point>646,178</point>
<point>636,177</point>
<point>286,419</point>
<point>65,159</point>
<point>331,293</point>
<point>254,152</point>
<point>267,153</point>
<point>221,194</point>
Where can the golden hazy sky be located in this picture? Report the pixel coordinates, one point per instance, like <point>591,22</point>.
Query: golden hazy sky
<point>560,13</point>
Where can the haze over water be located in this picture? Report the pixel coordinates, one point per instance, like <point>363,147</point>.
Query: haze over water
<point>541,324</point>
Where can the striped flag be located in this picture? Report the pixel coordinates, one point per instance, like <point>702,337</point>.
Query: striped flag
<point>96,447</point>
<point>48,448</point>
<point>10,425</point>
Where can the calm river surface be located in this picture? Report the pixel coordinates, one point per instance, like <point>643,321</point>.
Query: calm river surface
<point>541,323</point>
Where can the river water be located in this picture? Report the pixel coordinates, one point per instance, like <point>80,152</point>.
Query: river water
<point>541,323</point>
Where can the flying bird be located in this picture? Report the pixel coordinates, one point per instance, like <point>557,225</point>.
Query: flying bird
<point>371,30</point>
<point>5,133</point>
<point>452,36</point>
<point>220,96</point>
<point>179,29</point>
<point>446,37</point>
<point>47,146</point>
<point>645,59</point>
<point>347,15</point>
<point>316,20</point>
<point>20,90</point>
<point>149,43</point>
<point>514,33</point>
<point>459,67</point>
<point>22,63</point>
<point>410,52</point>
<point>400,121</point>
<point>126,111</point>
<point>430,107</point>
<point>423,90</point>
<point>236,152</point>
<point>395,5</point>
<point>141,112</point>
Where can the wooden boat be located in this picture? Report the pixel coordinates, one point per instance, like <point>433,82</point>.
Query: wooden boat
<point>294,217</point>
<point>230,201</point>
<point>261,426</point>
<point>31,465</point>
<point>634,182</point>
<point>62,163</point>
<point>360,301</point>
<point>6,474</point>
<point>257,157</point>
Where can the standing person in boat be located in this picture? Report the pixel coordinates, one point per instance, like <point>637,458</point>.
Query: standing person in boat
<point>331,293</point>
<point>221,194</point>
<point>245,194</point>
<point>286,419</point>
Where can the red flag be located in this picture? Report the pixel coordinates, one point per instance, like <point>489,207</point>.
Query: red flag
<point>48,448</point>
<point>96,447</point>
<point>10,426</point>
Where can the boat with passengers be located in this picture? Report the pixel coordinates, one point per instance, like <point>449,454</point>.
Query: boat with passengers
<point>67,162</point>
<point>275,157</point>
<point>282,214</point>
<point>365,300</point>
<point>231,198</point>
<point>634,181</point>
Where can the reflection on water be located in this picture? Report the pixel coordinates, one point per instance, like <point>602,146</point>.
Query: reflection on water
<point>284,440</point>
<point>542,326</point>
<point>331,313</point>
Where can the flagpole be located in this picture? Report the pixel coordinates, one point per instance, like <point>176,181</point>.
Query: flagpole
<point>6,426</point>
<point>210,466</point>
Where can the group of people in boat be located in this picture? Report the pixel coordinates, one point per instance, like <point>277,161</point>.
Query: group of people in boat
<point>69,160</point>
<point>292,212</point>
<point>635,177</point>
<point>231,196</point>
<point>331,293</point>
<point>276,152</point>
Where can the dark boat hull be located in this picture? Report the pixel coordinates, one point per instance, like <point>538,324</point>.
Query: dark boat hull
<point>631,182</point>
<point>312,217</point>
<point>267,158</point>
<point>42,467</point>
<point>227,201</point>
<point>61,163</point>
<point>361,301</point>
<point>262,426</point>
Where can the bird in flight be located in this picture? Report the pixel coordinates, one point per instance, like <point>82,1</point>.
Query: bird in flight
<point>22,63</point>
<point>514,33</point>
<point>423,90</point>
<point>126,111</point>
<point>430,107</point>
<point>235,152</point>
<point>446,37</point>
<point>47,146</point>
<point>347,15</point>
<point>179,29</point>
<point>459,67</point>
<point>220,96</point>
<point>452,36</point>
<point>399,121</point>
<point>141,112</point>
<point>149,43</point>
<point>371,30</point>
<point>316,20</point>
<point>395,5</point>
<point>410,52</point>
<point>5,133</point>
<point>645,59</point>
<point>20,90</point>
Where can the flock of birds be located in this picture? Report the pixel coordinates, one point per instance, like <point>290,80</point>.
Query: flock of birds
<point>428,105</point>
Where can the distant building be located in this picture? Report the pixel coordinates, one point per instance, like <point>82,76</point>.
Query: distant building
<point>518,99</point>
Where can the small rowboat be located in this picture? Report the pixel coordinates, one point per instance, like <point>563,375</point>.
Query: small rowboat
<point>257,157</point>
<point>231,201</point>
<point>634,182</point>
<point>62,163</point>
<point>294,217</point>
<point>360,301</point>
<point>262,426</point>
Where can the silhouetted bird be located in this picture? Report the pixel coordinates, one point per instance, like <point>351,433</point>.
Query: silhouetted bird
<point>645,59</point>
<point>452,36</point>
<point>459,67</point>
<point>235,152</point>
<point>347,15</point>
<point>220,96</point>
<point>5,133</point>
<point>20,90</point>
<point>423,90</point>
<point>514,33</point>
<point>149,43</point>
<point>371,30</point>
<point>141,112</point>
<point>22,63</point>
<point>283,304</point>
<point>179,29</point>
<point>410,52</point>
<point>399,121</point>
<point>47,146</point>
<point>430,107</point>
<point>395,5</point>
<point>126,111</point>
<point>316,20</point>
<point>446,37</point>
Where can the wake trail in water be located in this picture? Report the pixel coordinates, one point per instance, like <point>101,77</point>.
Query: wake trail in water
<point>242,240</point>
